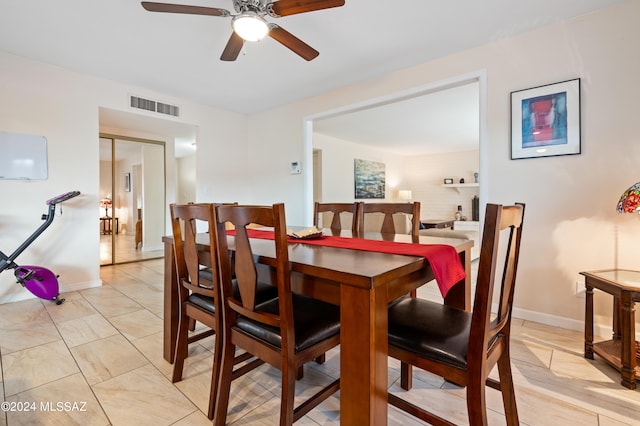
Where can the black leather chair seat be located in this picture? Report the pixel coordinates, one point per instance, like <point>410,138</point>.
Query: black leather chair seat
<point>431,330</point>
<point>314,321</point>
<point>202,302</point>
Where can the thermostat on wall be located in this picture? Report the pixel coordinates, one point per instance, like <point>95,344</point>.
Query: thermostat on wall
<point>294,168</point>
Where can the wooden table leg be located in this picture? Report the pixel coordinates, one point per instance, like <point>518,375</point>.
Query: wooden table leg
<point>628,355</point>
<point>588,323</point>
<point>459,295</point>
<point>617,318</point>
<point>363,356</point>
<point>171,304</point>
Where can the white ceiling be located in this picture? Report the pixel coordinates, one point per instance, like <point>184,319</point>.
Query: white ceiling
<point>178,55</point>
<point>442,121</point>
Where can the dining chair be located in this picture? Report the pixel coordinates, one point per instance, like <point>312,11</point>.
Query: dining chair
<point>321,211</point>
<point>285,332</point>
<point>388,211</point>
<point>460,346</point>
<point>198,288</point>
<point>370,211</point>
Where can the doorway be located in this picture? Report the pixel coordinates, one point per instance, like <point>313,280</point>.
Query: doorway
<point>132,199</point>
<point>385,120</point>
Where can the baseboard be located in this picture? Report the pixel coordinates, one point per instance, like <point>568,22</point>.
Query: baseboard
<point>64,288</point>
<point>561,322</point>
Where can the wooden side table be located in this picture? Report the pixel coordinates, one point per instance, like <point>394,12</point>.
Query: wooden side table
<point>620,351</point>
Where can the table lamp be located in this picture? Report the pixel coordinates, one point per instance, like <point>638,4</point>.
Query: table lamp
<point>630,200</point>
<point>405,194</point>
<point>105,202</point>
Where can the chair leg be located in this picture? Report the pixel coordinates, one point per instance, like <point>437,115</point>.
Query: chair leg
<point>215,375</point>
<point>182,348</point>
<point>476,402</point>
<point>321,359</point>
<point>506,385</point>
<point>406,376</point>
<point>192,324</point>
<point>224,383</point>
<point>288,392</point>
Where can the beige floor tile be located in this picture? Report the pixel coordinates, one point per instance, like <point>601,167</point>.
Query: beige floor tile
<point>532,353</point>
<point>137,324</point>
<point>106,358</point>
<point>40,330</point>
<point>609,399</point>
<point>22,312</point>
<point>142,397</point>
<point>246,393</point>
<point>554,383</point>
<point>70,295</point>
<point>79,331</point>
<point>70,310</point>
<point>196,419</point>
<point>151,347</point>
<point>607,421</point>
<point>115,305</point>
<point>555,412</point>
<point>68,401</point>
<point>96,293</point>
<point>33,367</point>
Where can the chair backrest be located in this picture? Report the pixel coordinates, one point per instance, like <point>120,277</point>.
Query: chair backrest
<point>389,210</point>
<point>321,210</point>
<point>188,259</point>
<point>245,268</point>
<point>500,248</point>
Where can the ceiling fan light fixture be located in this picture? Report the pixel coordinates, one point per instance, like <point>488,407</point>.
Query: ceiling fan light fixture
<point>250,26</point>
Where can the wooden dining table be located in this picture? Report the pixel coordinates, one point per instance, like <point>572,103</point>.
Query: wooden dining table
<point>362,283</point>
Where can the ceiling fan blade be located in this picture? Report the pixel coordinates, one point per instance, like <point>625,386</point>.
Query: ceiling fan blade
<point>292,42</point>
<point>292,7</point>
<point>181,8</point>
<point>233,48</point>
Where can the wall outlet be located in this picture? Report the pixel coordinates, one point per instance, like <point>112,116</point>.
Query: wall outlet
<point>581,292</point>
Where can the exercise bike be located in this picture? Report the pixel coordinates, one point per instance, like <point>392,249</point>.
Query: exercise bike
<point>38,280</point>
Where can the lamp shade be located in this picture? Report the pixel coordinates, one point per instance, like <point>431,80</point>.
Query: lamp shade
<point>630,200</point>
<point>250,26</point>
<point>404,194</point>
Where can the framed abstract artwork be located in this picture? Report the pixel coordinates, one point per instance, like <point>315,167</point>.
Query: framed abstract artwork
<point>369,179</point>
<point>545,120</point>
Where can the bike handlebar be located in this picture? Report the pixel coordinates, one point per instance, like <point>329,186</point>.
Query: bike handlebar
<point>64,197</point>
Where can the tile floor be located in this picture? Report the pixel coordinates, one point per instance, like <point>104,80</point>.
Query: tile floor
<point>97,360</point>
<point>125,250</point>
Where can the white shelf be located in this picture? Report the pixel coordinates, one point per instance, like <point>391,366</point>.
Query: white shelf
<point>457,186</point>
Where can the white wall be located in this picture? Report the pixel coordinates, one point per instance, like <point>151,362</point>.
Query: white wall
<point>64,106</point>
<point>571,224</point>
<point>186,177</point>
<point>424,176</point>
<point>338,168</point>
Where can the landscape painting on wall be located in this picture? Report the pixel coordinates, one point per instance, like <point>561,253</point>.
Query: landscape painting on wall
<point>369,179</point>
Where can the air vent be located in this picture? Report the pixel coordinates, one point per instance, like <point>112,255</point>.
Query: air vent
<point>168,109</point>
<point>154,106</point>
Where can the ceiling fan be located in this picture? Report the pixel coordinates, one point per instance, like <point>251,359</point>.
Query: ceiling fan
<point>249,23</point>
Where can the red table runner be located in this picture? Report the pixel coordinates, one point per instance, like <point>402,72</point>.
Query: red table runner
<point>443,259</point>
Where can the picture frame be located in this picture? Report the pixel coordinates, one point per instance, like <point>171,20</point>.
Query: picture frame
<point>545,120</point>
<point>127,182</point>
<point>369,179</point>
